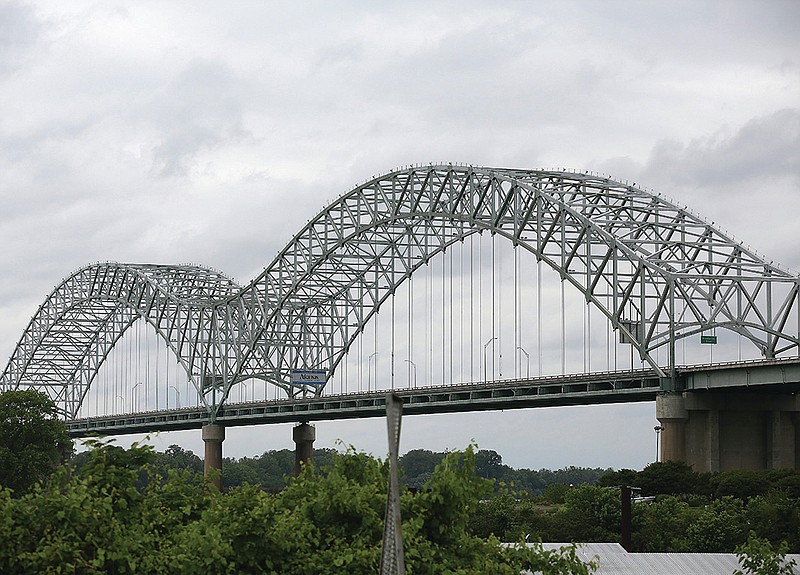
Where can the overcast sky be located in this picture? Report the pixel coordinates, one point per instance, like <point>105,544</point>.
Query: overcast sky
<point>209,132</point>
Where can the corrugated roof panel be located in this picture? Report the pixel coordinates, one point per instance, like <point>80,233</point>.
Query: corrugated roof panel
<point>614,560</point>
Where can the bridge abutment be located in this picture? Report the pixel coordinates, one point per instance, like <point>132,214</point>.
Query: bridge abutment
<point>727,430</point>
<point>213,435</point>
<point>304,435</point>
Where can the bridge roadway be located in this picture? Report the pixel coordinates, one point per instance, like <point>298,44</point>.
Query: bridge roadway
<point>550,391</point>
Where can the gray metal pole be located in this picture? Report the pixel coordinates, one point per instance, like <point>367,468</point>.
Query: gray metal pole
<point>392,551</point>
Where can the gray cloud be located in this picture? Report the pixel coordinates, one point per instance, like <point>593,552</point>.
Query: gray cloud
<point>764,147</point>
<point>198,111</point>
<point>19,31</point>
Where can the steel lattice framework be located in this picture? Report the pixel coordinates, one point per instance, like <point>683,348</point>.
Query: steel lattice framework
<point>655,270</point>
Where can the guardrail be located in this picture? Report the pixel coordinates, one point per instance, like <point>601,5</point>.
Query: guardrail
<point>549,391</point>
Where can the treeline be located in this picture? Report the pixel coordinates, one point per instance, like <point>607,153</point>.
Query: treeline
<point>272,469</point>
<point>675,509</point>
<point>112,510</point>
<point>418,464</point>
<point>118,513</point>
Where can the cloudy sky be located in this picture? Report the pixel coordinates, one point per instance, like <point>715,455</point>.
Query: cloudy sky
<point>208,132</point>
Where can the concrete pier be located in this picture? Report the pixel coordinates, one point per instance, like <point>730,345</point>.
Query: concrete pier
<point>727,430</point>
<point>213,436</point>
<point>304,435</point>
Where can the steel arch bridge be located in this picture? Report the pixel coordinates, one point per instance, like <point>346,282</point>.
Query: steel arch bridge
<point>655,270</point>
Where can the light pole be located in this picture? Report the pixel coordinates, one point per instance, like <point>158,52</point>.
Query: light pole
<point>369,370</point>
<point>122,402</point>
<point>414,365</point>
<point>529,360</point>
<point>133,394</point>
<point>485,376</point>
<point>177,395</point>
<point>658,429</point>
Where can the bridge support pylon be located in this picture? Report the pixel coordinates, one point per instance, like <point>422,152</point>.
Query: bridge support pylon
<point>304,435</point>
<point>728,430</point>
<point>213,435</point>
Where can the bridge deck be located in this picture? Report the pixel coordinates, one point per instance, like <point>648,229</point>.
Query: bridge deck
<point>551,391</point>
<point>610,387</point>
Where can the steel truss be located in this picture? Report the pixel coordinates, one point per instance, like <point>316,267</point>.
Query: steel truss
<point>655,270</point>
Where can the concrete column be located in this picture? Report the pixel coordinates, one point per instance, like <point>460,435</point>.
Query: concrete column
<point>775,441</point>
<point>213,436</point>
<point>672,415</point>
<point>712,440</point>
<point>304,435</point>
<point>726,430</point>
<point>793,447</point>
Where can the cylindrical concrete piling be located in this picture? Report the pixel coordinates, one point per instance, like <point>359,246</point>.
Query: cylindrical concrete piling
<point>304,435</point>
<point>671,413</point>
<point>213,436</point>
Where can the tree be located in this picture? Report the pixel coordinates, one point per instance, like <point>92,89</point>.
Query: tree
<point>33,441</point>
<point>590,513</point>
<point>555,492</point>
<point>489,464</point>
<point>104,519</point>
<point>669,478</point>
<point>661,526</point>
<point>742,484</point>
<point>718,528</point>
<point>757,557</point>
<point>621,477</point>
<point>417,466</point>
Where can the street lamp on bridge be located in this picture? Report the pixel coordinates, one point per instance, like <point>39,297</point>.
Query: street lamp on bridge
<point>133,396</point>
<point>177,395</point>
<point>414,365</point>
<point>369,371</point>
<point>528,357</point>
<point>485,377</point>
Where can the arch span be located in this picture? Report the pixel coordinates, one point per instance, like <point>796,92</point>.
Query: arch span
<point>656,271</point>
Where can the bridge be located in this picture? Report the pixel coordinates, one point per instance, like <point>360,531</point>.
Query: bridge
<point>613,291</point>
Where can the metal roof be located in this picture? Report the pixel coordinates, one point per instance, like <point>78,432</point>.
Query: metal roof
<point>614,560</point>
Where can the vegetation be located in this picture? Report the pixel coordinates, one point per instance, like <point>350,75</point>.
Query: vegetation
<point>118,512</point>
<point>112,510</point>
<point>33,441</point>
<point>418,464</point>
<point>757,557</point>
<point>272,469</point>
<point>682,511</point>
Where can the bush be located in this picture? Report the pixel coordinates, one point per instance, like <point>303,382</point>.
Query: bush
<point>119,514</point>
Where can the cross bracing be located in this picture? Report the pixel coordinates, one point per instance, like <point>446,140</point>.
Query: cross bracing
<point>657,272</point>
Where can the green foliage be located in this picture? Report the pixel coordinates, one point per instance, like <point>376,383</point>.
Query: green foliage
<point>119,513</point>
<point>669,478</point>
<point>776,517</point>
<point>758,557</point>
<point>662,525</point>
<point>718,528</point>
<point>740,484</point>
<point>33,441</point>
<point>100,519</point>
<point>418,464</point>
<point>618,478</point>
<point>555,492</point>
<point>686,522</point>
<point>176,457</point>
<point>590,513</point>
<point>489,464</point>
